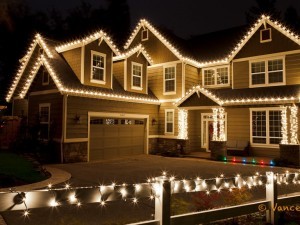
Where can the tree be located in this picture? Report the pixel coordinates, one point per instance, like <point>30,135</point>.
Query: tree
<point>266,7</point>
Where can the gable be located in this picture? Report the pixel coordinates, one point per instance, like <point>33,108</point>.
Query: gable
<point>198,100</point>
<point>279,43</point>
<point>73,58</point>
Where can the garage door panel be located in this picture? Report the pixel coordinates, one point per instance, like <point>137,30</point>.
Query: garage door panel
<point>116,140</point>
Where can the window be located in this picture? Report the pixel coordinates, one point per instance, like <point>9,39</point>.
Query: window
<point>216,76</point>
<point>45,77</point>
<point>144,35</point>
<point>265,35</point>
<point>44,113</point>
<point>169,121</point>
<point>136,78</point>
<point>98,67</point>
<point>266,126</point>
<point>169,80</point>
<point>267,72</point>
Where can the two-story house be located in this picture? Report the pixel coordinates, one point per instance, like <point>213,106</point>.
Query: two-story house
<point>158,94</point>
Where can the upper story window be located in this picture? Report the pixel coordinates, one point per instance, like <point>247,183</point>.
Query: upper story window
<point>267,72</point>
<point>217,76</point>
<point>169,80</point>
<point>265,35</point>
<point>144,34</point>
<point>98,67</point>
<point>45,77</point>
<point>266,126</point>
<point>136,76</point>
<point>169,121</point>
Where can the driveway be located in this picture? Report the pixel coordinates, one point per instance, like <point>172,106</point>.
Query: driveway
<point>138,168</point>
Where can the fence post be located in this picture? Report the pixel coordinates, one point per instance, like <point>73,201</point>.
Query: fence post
<point>163,201</point>
<point>271,196</point>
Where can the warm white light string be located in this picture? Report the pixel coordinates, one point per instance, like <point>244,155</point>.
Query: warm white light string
<point>215,124</point>
<point>294,125</point>
<point>284,125</point>
<point>182,124</point>
<point>222,136</point>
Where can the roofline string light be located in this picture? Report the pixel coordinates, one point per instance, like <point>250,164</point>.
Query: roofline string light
<point>55,197</point>
<point>86,40</point>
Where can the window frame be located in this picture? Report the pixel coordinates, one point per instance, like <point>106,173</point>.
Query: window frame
<point>215,80</point>
<point>48,105</point>
<point>266,60</point>
<point>144,30</point>
<point>173,121</point>
<point>267,137</point>
<point>164,80</point>
<point>268,40</point>
<point>92,66</point>
<point>133,75</point>
<point>48,77</point>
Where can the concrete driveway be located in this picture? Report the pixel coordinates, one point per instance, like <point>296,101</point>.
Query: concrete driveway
<point>138,168</point>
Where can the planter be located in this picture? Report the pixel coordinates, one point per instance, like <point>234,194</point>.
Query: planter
<point>218,150</point>
<point>290,154</point>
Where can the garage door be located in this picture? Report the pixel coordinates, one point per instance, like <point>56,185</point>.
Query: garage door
<point>113,138</point>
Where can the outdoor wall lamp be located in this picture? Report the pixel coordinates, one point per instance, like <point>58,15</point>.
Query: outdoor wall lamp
<point>154,122</point>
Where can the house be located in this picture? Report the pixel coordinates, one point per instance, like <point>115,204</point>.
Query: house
<point>161,92</point>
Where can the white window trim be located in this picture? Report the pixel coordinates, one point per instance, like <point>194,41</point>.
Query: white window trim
<point>48,122</point>
<point>215,68</point>
<point>266,84</point>
<point>164,79</point>
<point>268,145</point>
<point>264,41</point>
<point>132,75</point>
<point>45,83</point>
<point>104,69</point>
<point>144,39</point>
<point>173,120</point>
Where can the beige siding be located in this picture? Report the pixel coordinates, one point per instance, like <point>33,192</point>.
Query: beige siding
<point>292,64</point>
<point>104,49</point>
<point>238,124</point>
<point>241,74</point>
<point>73,58</point>
<point>279,43</point>
<point>194,130</point>
<point>265,152</point>
<point>155,48</point>
<point>81,106</point>
<point>20,107</point>
<point>56,111</point>
<point>118,71</point>
<point>141,60</point>
<point>155,82</point>
<point>191,77</point>
<point>37,84</point>
<point>161,119</point>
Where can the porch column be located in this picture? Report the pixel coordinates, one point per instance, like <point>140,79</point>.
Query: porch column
<point>215,124</point>
<point>218,124</point>
<point>294,125</point>
<point>284,129</point>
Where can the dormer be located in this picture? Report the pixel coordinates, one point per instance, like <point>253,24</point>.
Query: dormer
<point>91,59</point>
<point>130,69</point>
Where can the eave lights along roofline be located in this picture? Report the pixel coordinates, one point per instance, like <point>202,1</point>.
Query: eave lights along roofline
<point>86,40</point>
<point>224,102</point>
<point>37,40</point>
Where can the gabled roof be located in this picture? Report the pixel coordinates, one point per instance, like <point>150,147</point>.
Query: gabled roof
<point>67,82</point>
<point>249,96</point>
<point>101,35</point>
<point>139,48</point>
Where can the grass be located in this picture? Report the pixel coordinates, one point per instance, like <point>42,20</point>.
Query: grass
<point>15,170</point>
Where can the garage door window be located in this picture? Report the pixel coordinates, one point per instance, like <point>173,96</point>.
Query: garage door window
<point>111,121</point>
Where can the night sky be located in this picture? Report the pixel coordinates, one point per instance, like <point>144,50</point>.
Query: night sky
<point>184,17</point>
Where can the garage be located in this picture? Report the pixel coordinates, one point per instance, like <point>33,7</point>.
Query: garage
<point>116,137</point>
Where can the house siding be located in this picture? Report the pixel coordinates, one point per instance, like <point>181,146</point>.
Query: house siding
<point>20,107</point>
<point>37,84</point>
<point>241,74</point>
<point>279,43</point>
<point>81,106</point>
<point>104,49</point>
<point>192,77</point>
<point>161,119</point>
<point>141,60</point>
<point>118,70</point>
<point>238,124</point>
<point>73,58</point>
<point>292,63</point>
<point>152,45</point>
<point>156,81</point>
<point>194,130</point>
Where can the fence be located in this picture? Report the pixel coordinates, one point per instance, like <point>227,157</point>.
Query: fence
<point>160,190</point>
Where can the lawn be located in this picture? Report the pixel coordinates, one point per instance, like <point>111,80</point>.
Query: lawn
<point>16,170</point>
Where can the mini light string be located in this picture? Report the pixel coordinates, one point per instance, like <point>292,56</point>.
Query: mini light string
<point>133,192</point>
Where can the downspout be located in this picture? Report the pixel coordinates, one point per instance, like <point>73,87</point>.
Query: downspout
<point>64,117</point>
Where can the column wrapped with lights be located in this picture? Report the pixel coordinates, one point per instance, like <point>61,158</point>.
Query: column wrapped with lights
<point>284,129</point>
<point>294,125</point>
<point>182,124</point>
<point>215,124</point>
<point>222,124</point>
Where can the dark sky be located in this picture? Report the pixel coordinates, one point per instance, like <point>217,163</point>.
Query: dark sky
<point>184,17</point>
